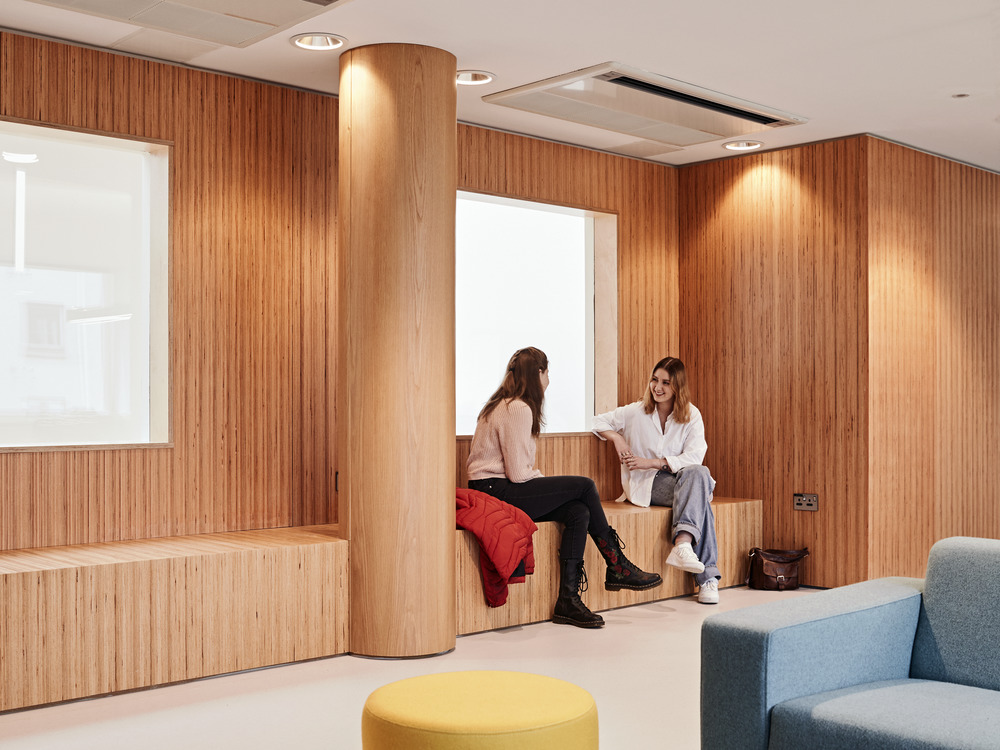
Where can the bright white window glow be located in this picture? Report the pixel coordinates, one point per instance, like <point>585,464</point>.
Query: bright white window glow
<point>525,277</point>
<point>83,289</point>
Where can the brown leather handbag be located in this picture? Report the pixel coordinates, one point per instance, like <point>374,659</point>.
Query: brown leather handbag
<point>775,569</point>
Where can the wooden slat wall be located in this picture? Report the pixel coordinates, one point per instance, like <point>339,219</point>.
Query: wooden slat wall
<point>934,249</point>
<point>903,279</point>
<point>772,252</point>
<point>253,305</point>
<point>580,454</point>
<point>774,335</point>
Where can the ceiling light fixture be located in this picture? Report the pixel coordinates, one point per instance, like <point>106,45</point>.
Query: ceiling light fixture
<point>473,77</point>
<point>743,145</point>
<point>317,42</point>
<point>20,158</point>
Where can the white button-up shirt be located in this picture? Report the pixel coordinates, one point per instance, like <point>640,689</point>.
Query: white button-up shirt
<point>678,445</point>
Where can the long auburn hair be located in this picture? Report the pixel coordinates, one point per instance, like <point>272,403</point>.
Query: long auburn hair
<point>523,381</point>
<point>678,384</point>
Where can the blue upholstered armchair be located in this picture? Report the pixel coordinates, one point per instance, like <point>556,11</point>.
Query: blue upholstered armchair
<point>892,663</point>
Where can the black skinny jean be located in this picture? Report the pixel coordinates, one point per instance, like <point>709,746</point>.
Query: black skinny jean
<point>572,501</point>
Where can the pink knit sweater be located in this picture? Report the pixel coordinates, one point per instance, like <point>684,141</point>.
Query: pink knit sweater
<point>503,445</point>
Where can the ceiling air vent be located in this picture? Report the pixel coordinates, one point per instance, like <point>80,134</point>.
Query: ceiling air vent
<point>643,106</point>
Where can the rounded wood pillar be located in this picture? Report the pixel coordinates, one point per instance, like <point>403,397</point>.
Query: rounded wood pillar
<point>396,387</point>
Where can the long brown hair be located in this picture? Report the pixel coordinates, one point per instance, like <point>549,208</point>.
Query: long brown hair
<point>678,384</point>
<point>523,381</point>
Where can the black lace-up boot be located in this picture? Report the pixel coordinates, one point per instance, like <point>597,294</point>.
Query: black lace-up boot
<point>570,609</point>
<point>622,574</point>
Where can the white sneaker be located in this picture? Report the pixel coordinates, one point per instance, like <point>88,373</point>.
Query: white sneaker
<point>708,593</point>
<point>683,557</point>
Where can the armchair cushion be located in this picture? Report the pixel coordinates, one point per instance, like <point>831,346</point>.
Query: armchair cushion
<point>958,630</point>
<point>889,715</point>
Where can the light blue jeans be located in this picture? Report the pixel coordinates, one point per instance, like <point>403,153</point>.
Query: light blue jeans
<point>689,493</point>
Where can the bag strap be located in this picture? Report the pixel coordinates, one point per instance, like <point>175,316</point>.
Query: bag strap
<point>750,554</point>
<point>784,555</point>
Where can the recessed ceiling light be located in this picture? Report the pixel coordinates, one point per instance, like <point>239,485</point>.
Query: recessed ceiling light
<point>743,145</point>
<point>20,158</point>
<point>318,42</point>
<point>473,77</point>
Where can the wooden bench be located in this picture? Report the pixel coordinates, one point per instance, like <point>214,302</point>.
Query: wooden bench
<point>644,531</point>
<point>92,619</point>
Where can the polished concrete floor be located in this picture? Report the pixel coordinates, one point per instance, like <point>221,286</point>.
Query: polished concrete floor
<point>642,669</point>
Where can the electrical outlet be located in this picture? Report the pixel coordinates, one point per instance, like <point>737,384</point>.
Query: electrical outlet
<point>806,501</point>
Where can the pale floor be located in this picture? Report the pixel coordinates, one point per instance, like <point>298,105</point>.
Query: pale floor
<point>642,669</point>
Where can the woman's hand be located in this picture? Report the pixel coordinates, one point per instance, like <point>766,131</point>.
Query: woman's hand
<point>637,462</point>
<point>624,451</point>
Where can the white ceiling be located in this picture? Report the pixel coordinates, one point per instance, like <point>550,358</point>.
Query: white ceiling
<point>887,67</point>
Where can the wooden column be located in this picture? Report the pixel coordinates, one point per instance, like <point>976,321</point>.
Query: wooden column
<point>396,397</point>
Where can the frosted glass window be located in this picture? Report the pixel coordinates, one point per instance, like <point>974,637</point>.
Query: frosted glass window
<point>83,289</point>
<point>525,277</point>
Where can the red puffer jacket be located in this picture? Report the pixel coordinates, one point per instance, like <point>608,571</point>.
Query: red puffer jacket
<point>504,534</point>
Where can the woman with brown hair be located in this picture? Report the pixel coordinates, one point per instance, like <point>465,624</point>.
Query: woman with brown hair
<point>502,464</point>
<point>660,441</point>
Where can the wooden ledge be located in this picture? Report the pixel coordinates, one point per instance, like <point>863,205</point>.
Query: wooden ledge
<point>135,550</point>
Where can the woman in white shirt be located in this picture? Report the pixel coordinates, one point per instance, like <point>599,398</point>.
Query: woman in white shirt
<point>660,442</point>
<point>502,464</point>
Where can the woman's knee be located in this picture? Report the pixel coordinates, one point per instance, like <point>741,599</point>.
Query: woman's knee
<point>696,473</point>
<point>586,486</point>
<point>577,514</point>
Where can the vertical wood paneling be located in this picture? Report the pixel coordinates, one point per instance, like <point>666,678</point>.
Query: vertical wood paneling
<point>934,240</point>
<point>253,292</point>
<point>578,454</point>
<point>968,361</point>
<point>840,315</point>
<point>903,280</point>
<point>252,305</point>
<point>774,336</point>
<point>773,322</point>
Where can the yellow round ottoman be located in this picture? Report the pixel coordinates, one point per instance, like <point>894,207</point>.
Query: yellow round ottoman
<point>479,711</point>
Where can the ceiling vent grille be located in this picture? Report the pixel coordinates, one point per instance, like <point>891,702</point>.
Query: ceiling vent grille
<point>643,105</point>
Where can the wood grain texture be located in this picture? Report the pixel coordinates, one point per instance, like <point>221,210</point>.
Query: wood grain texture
<point>774,333</point>
<point>101,618</point>
<point>254,293</point>
<point>850,289</point>
<point>397,345</point>
<point>644,531</point>
<point>576,454</point>
<point>903,348</point>
<point>934,292</point>
<point>252,305</point>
